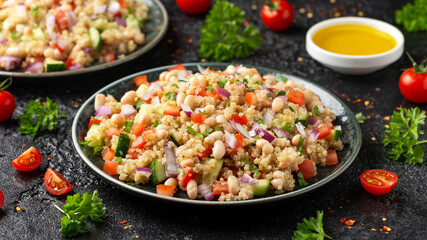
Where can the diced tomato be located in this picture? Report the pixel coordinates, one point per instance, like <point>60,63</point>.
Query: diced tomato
<point>123,3</point>
<point>214,94</point>
<point>198,118</point>
<point>28,161</point>
<point>138,143</point>
<point>61,19</point>
<point>189,174</point>
<point>172,110</point>
<point>295,96</point>
<point>207,152</point>
<point>152,97</point>
<point>199,91</point>
<point>219,188</point>
<point>114,132</point>
<point>324,130</point>
<point>133,154</point>
<point>243,120</point>
<point>110,167</point>
<point>55,183</point>
<point>240,140</point>
<point>69,62</point>
<point>110,57</point>
<point>165,190</point>
<point>331,158</point>
<point>137,129</point>
<point>142,79</point>
<point>108,154</point>
<point>92,121</point>
<point>307,168</point>
<point>55,46</point>
<point>177,67</point>
<point>260,175</point>
<point>250,98</point>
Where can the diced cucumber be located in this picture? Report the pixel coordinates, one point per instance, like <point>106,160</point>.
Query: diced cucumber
<point>38,34</point>
<point>122,146</point>
<point>142,89</point>
<point>94,136</point>
<point>95,39</point>
<point>158,174</point>
<point>276,123</point>
<point>260,188</point>
<point>213,174</point>
<point>147,108</point>
<point>303,120</point>
<point>160,108</point>
<point>52,65</point>
<point>132,22</point>
<point>335,135</point>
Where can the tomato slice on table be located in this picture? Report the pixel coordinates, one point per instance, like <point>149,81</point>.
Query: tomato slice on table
<point>28,161</point>
<point>378,181</point>
<point>324,130</point>
<point>55,183</point>
<point>1,199</point>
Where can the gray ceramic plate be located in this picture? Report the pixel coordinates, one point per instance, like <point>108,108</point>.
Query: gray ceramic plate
<point>154,29</point>
<point>351,136</point>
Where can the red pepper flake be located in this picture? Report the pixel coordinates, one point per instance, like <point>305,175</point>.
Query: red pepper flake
<point>339,226</point>
<point>190,41</point>
<point>71,102</point>
<point>385,228</point>
<point>345,96</point>
<point>381,230</point>
<point>48,159</point>
<point>387,233</point>
<point>178,51</point>
<point>343,219</point>
<point>175,29</point>
<point>358,100</point>
<point>350,222</point>
<point>335,91</point>
<point>75,185</point>
<point>246,23</point>
<point>398,108</point>
<point>80,100</point>
<point>373,229</point>
<point>123,222</point>
<point>327,212</point>
<point>76,106</point>
<point>24,145</point>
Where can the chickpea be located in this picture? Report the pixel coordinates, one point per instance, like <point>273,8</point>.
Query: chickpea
<point>278,104</point>
<point>202,80</point>
<point>162,76</point>
<point>192,189</point>
<point>117,119</point>
<point>277,183</point>
<point>171,182</point>
<point>233,185</point>
<point>211,120</point>
<point>260,143</point>
<point>189,100</point>
<point>209,109</point>
<point>180,98</point>
<point>267,148</point>
<point>218,151</point>
<point>162,134</point>
<point>187,162</point>
<point>170,74</point>
<point>99,101</point>
<point>48,53</point>
<point>194,81</point>
<point>161,127</point>
<point>295,139</point>
<point>128,98</point>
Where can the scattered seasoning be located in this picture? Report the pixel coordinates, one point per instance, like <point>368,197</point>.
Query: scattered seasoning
<point>48,159</point>
<point>340,207</point>
<point>75,185</point>
<point>345,96</point>
<point>347,200</point>
<point>301,10</point>
<point>387,233</point>
<point>366,103</point>
<point>309,15</point>
<point>299,59</point>
<point>350,222</point>
<point>76,106</point>
<point>339,226</point>
<point>332,1</point>
<point>373,229</point>
<point>71,102</point>
<point>358,100</point>
<point>386,118</point>
<point>384,219</point>
<point>203,60</point>
<point>128,226</point>
<point>373,138</point>
<point>24,145</point>
<point>169,41</point>
<point>178,51</point>
<point>123,222</point>
<point>363,224</point>
<point>337,14</point>
<point>254,7</point>
<point>386,126</point>
<point>387,229</point>
<point>80,100</point>
<point>190,41</point>
<point>327,212</point>
<point>381,230</point>
<point>343,219</point>
<point>18,209</point>
<point>136,236</point>
<point>360,14</point>
<point>335,91</point>
<point>175,29</point>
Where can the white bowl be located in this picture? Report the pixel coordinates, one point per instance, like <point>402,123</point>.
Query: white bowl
<point>350,64</point>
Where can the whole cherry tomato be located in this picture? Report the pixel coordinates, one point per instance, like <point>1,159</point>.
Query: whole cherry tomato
<point>413,82</point>
<point>277,14</point>
<point>7,101</point>
<point>193,6</point>
<point>378,181</point>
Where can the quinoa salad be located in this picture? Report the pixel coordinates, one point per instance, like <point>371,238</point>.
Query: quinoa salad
<point>48,36</point>
<point>217,135</point>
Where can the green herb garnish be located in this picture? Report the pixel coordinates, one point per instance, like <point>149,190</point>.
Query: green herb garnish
<point>128,126</point>
<point>252,167</point>
<point>301,181</point>
<point>175,85</point>
<point>282,93</point>
<point>138,104</point>
<point>222,83</point>
<point>288,127</point>
<point>34,10</point>
<point>413,16</point>
<point>200,135</point>
<point>360,118</point>
<point>174,140</point>
<point>260,121</point>
<point>156,123</point>
<point>131,10</point>
<point>170,96</point>
<point>217,128</point>
<point>131,184</point>
<point>316,111</point>
<point>210,88</point>
<point>300,142</point>
<point>118,159</point>
<point>311,229</point>
<point>292,110</point>
<point>281,79</point>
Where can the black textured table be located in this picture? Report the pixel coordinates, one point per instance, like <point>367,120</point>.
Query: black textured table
<point>404,210</point>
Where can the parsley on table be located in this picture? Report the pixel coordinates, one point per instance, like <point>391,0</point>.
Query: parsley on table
<point>77,209</point>
<point>39,114</point>
<point>413,16</point>
<point>316,111</point>
<point>222,36</point>
<point>360,118</point>
<point>403,135</point>
<point>311,228</point>
<point>301,181</point>
<point>128,126</point>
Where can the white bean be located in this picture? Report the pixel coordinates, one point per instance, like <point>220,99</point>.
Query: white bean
<point>180,97</point>
<point>187,162</point>
<point>142,118</point>
<point>233,185</point>
<point>128,98</point>
<point>161,127</point>
<point>117,119</point>
<point>295,139</point>
<point>99,101</point>
<point>218,151</point>
<point>278,104</point>
<point>171,182</point>
<point>277,183</point>
<point>209,109</point>
<point>260,143</point>
<point>213,137</point>
<point>192,189</point>
<point>189,100</point>
<point>221,119</point>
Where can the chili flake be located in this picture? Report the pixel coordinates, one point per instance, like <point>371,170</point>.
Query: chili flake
<point>358,100</point>
<point>123,222</point>
<point>71,102</point>
<point>350,222</point>
<point>387,233</point>
<point>76,106</point>
<point>190,41</point>
<point>80,100</point>
<point>343,219</point>
<point>309,15</point>
<point>299,59</point>
<point>48,159</point>
<point>254,7</point>
<point>386,118</point>
<point>301,10</point>
<point>24,145</point>
<point>18,209</point>
<point>373,138</point>
<point>360,14</point>
<point>373,229</point>
<point>384,219</point>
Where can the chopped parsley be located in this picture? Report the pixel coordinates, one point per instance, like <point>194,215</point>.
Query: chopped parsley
<point>282,93</point>
<point>201,134</point>
<point>210,88</point>
<point>260,121</point>
<point>300,142</point>
<point>301,180</point>
<point>252,167</point>
<point>170,96</point>
<point>228,104</point>
<point>217,128</point>
<point>138,104</point>
<point>34,10</point>
<point>131,10</point>
<point>203,112</point>
<point>157,123</point>
<point>131,184</point>
<point>281,79</point>
<point>119,160</point>
<point>182,81</point>
<point>360,118</point>
<point>128,126</point>
<point>311,228</point>
<point>316,111</point>
<point>175,85</point>
<point>288,127</point>
<point>14,34</point>
<point>258,83</point>
<point>222,83</point>
<point>292,110</point>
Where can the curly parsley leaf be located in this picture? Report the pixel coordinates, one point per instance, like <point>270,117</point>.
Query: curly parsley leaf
<point>311,228</point>
<point>38,114</point>
<point>128,126</point>
<point>403,133</point>
<point>281,78</point>
<point>360,118</point>
<point>222,37</point>
<point>301,181</point>
<point>316,111</point>
<point>413,16</point>
<point>201,134</point>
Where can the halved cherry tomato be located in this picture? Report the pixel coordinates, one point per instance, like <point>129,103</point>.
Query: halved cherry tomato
<point>207,152</point>
<point>198,118</point>
<point>193,6</point>
<point>178,67</point>
<point>139,143</point>
<point>189,174</point>
<point>307,168</point>
<point>142,79</point>
<point>28,161</point>
<point>331,158</point>
<point>378,181</point>
<point>69,62</point>
<point>243,120</point>
<point>219,188</point>
<point>92,121</point>
<point>199,91</point>
<point>108,154</point>
<point>295,96</point>
<point>240,140</point>
<point>250,98</point>
<point>137,129</point>
<point>55,183</point>
<point>1,199</point>
<point>171,109</point>
<point>165,190</point>
<point>113,131</point>
<point>110,167</point>
<point>324,130</point>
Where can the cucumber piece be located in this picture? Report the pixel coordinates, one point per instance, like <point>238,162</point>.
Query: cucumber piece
<point>122,146</point>
<point>160,108</point>
<point>260,188</point>
<point>52,65</point>
<point>159,174</point>
<point>147,108</point>
<point>38,34</point>
<point>95,39</point>
<point>133,23</point>
<point>335,135</point>
<point>276,123</point>
<point>213,174</point>
<point>93,136</point>
<point>303,120</point>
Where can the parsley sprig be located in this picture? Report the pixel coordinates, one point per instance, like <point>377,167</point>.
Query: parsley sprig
<point>403,135</point>
<point>413,16</point>
<point>77,209</point>
<point>252,167</point>
<point>39,114</point>
<point>222,36</point>
<point>201,134</point>
<point>311,228</point>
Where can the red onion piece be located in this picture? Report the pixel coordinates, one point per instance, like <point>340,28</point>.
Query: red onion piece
<point>223,92</point>
<point>21,4</point>
<point>121,21</point>
<point>103,110</point>
<point>114,8</point>
<point>284,98</point>
<point>230,140</point>
<point>300,128</point>
<point>36,67</point>
<point>252,133</point>
<point>3,41</point>
<point>313,135</point>
<point>155,86</point>
<point>71,19</point>
<point>269,90</point>
<point>187,110</point>
<point>312,121</point>
<point>205,191</point>
<point>62,43</point>
<point>248,179</point>
<point>201,69</point>
<point>147,95</point>
<point>88,50</point>
<point>280,132</point>
<point>231,75</point>
<point>267,117</point>
<point>262,132</point>
<point>75,67</point>
<point>100,9</point>
<point>127,109</point>
<point>155,101</point>
<point>9,62</point>
<point>171,165</point>
<point>239,128</point>
<point>144,171</point>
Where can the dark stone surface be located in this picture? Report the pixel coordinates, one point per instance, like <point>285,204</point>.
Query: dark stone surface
<point>405,207</point>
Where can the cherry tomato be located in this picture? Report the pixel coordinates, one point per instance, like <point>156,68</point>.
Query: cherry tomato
<point>55,183</point>
<point>413,82</point>
<point>28,161</point>
<point>277,14</point>
<point>193,6</point>
<point>1,199</point>
<point>377,181</point>
<point>7,101</point>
